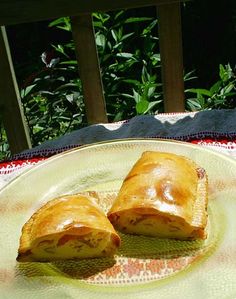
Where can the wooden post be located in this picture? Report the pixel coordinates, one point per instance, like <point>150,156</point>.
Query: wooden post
<point>170,37</point>
<point>10,104</point>
<point>89,69</point>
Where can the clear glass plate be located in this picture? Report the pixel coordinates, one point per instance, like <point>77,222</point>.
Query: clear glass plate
<point>143,267</point>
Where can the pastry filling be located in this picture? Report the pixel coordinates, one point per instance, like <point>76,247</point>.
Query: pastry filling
<point>66,246</point>
<point>155,225</point>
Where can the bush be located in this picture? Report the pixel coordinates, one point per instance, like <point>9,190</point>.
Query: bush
<point>53,99</point>
<point>130,65</point>
<point>128,59</point>
<point>221,95</point>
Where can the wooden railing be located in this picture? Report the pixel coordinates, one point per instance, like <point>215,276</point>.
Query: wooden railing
<point>22,11</point>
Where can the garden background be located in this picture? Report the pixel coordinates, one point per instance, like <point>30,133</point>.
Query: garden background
<point>127,42</point>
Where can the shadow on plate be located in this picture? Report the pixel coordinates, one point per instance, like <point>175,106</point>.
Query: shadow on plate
<point>76,269</point>
<point>157,257</point>
<point>151,247</point>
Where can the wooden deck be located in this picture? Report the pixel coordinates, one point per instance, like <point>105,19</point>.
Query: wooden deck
<point>169,20</point>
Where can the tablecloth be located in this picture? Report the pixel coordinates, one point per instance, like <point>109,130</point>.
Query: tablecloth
<point>214,129</point>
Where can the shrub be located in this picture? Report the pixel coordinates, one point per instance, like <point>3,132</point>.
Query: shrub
<point>130,67</point>
<point>220,95</point>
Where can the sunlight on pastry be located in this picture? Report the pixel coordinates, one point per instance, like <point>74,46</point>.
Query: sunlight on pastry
<point>68,227</point>
<point>163,195</point>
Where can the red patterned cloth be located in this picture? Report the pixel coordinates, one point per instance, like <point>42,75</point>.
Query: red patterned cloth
<point>215,130</point>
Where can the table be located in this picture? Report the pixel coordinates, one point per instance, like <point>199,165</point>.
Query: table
<point>215,130</point>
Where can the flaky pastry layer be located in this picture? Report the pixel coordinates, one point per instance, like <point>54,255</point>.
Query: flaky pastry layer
<point>163,195</point>
<point>68,227</point>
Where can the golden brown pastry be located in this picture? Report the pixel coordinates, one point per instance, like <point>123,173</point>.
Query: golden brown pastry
<point>164,195</point>
<point>68,227</point>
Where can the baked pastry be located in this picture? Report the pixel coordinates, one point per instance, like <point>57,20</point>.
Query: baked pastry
<point>163,195</point>
<point>68,227</point>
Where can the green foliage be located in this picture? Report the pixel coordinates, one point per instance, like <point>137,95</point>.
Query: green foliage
<point>220,95</point>
<point>4,147</point>
<point>127,50</point>
<point>53,104</point>
<point>130,67</point>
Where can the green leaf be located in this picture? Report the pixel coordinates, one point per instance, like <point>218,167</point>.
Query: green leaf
<point>66,28</point>
<point>100,40</point>
<point>137,19</point>
<point>136,96</point>
<point>124,55</point>
<point>65,23</point>
<point>152,105</point>
<point>27,90</point>
<point>69,62</point>
<point>229,71</point>
<point>142,106</point>
<point>132,81</point>
<point>225,73</point>
<point>118,116</point>
<point>215,87</point>
<point>118,14</point>
<point>200,91</point>
<point>126,95</point>
<point>151,90</point>
<point>60,49</point>
<point>126,36</point>
<point>148,29</point>
<point>194,105</point>
<point>57,22</point>
<point>114,35</point>
<point>70,98</point>
<point>201,100</point>
<point>69,85</point>
<point>156,57</point>
<point>189,76</point>
<point>98,24</point>
<point>226,91</point>
<point>222,73</point>
<point>228,88</point>
<point>104,17</point>
<point>230,94</point>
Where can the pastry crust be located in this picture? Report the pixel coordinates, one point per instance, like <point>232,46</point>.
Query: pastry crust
<point>163,195</point>
<point>68,227</point>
